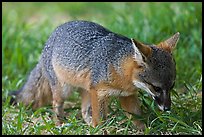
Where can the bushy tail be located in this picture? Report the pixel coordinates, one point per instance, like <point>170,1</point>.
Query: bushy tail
<point>35,92</point>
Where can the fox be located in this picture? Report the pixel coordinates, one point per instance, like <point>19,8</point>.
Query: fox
<point>100,64</point>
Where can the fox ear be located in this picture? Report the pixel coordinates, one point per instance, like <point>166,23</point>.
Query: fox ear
<point>170,43</point>
<point>143,49</point>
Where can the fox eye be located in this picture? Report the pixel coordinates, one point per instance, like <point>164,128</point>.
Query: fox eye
<point>157,89</point>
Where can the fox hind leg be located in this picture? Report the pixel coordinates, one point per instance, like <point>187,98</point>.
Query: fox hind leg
<point>60,92</point>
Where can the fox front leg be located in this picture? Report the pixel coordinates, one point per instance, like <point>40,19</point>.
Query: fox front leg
<point>57,104</point>
<point>131,104</point>
<point>99,108</point>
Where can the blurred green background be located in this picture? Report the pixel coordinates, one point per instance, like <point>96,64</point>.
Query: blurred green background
<point>27,26</point>
<point>151,22</point>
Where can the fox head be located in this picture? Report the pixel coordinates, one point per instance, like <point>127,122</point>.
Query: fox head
<point>158,70</point>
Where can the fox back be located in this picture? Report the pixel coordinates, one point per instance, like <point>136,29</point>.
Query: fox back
<point>82,45</point>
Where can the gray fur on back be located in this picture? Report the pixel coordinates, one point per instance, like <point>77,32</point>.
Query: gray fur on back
<point>79,45</point>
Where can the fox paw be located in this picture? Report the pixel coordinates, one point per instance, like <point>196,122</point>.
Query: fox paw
<point>139,124</point>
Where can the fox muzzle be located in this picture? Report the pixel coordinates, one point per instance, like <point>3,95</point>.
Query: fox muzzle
<point>163,101</point>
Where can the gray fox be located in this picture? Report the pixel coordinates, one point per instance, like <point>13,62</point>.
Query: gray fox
<point>100,64</point>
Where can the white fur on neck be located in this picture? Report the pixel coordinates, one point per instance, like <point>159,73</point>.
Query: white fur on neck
<point>142,85</point>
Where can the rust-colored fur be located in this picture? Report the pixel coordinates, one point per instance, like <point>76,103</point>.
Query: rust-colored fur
<point>96,97</point>
<point>119,85</point>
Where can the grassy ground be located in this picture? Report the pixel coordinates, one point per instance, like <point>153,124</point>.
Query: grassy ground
<point>27,26</point>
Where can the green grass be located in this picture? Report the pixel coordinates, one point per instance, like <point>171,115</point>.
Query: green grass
<point>27,26</point>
